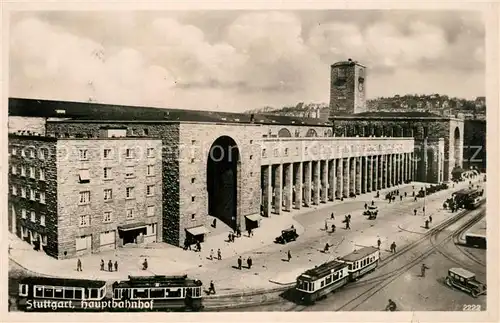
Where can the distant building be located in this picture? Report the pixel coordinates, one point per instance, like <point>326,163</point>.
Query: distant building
<point>73,196</point>
<point>347,88</point>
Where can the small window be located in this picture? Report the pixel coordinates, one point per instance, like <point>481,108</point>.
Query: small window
<point>23,213</point>
<point>32,171</point>
<point>108,194</point>
<point>48,292</point>
<point>151,210</point>
<point>83,153</point>
<point>23,153</point>
<point>286,151</point>
<point>251,174</point>
<point>32,194</point>
<point>193,142</point>
<point>193,198</point>
<point>251,156</point>
<point>41,154</point>
<point>42,220</point>
<point>38,291</point>
<point>151,170</point>
<point>129,192</point>
<point>23,171</point>
<point>42,174</point>
<point>32,216</point>
<point>107,174</point>
<point>107,153</point>
<point>14,151</point>
<point>32,153</point>
<point>193,215</point>
<point>192,160</point>
<point>42,197</point>
<point>150,190</point>
<point>84,220</point>
<point>14,190</point>
<point>84,176</point>
<point>84,197</point>
<point>14,170</point>
<point>151,152</point>
<point>129,171</point>
<point>130,213</point>
<point>251,142</point>
<point>263,152</point>
<point>129,153</point>
<point>23,192</point>
<point>106,217</point>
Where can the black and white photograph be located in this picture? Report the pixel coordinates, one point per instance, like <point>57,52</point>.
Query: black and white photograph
<point>249,160</point>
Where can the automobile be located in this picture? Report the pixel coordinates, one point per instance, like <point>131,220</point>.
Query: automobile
<point>466,281</point>
<point>372,212</point>
<point>287,235</point>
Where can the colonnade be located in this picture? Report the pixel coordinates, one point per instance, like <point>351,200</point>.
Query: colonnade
<point>294,185</point>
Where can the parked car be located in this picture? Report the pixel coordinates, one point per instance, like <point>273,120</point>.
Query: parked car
<point>287,235</point>
<point>466,281</point>
<point>371,212</point>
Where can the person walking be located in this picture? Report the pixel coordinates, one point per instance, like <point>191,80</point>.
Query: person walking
<point>78,265</point>
<point>219,254</point>
<point>422,270</point>
<point>116,265</point>
<point>327,247</point>
<point>289,255</point>
<point>211,289</point>
<point>211,254</point>
<point>393,247</point>
<point>145,264</point>
<point>102,264</point>
<point>423,209</point>
<point>332,216</point>
<point>326,225</point>
<point>373,203</point>
<point>239,263</point>
<point>366,206</point>
<point>401,197</point>
<point>249,263</point>
<point>406,194</point>
<point>333,228</point>
<point>229,237</point>
<point>214,224</point>
<point>430,218</point>
<point>379,243</point>
<point>110,265</point>
<point>415,212</point>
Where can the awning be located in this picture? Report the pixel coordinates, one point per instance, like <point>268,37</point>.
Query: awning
<point>253,217</point>
<point>132,226</point>
<point>196,231</point>
<point>84,175</point>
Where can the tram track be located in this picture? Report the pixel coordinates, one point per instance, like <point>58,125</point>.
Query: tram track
<point>274,297</point>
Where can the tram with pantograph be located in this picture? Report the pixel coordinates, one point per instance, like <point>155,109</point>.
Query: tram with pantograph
<point>361,261</point>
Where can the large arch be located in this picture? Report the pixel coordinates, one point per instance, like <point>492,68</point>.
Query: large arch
<point>456,146</point>
<point>311,133</point>
<point>284,132</point>
<point>222,177</point>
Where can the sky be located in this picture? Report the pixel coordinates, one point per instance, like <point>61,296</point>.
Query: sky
<point>240,60</point>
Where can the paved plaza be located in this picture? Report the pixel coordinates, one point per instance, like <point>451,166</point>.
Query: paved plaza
<point>396,222</point>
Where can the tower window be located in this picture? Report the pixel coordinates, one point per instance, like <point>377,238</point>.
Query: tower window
<point>341,73</point>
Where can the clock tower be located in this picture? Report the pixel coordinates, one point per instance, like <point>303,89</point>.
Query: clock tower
<point>347,88</point>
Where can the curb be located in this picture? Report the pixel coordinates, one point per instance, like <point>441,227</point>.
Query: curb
<point>406,230</point>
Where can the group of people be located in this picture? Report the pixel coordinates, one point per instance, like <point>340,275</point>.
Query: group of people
<point>219,254</point>
<point>249,262</point>
<point>110,265</point>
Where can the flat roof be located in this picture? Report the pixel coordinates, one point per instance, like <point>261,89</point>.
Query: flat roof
<point>462,272</point>
<point>324,269</point>
<point>49,281</point>
<point>359,254</point>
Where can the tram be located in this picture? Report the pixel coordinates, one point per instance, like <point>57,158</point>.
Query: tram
<point>48,294</point>
<point>475,240</point>
<point>318,282</point>
<point>166,292</point>
<point>468,198</point>
<point>361,261</point>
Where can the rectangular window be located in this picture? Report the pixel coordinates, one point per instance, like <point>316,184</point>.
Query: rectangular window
<point>23,213</point>
<point>107,173</point>
<point>106,217</point>
<point>84,220</point>
<point>42,220</point>
<point>107,153</point>
<point>83,153</point>
<point>32,171</point>
<point>42,174</point>
<point>14,190</point>
<point>23,153</point>
<point>151,210</point>
<point>130,213</point>
<point>41,154</point>
<point>151,229</point>
<point>84,197</point>
<point>150,190</point>
<point>23,171</point>
<point>42,197</point>
<point>129,171</point>
<point>151,170</point>
<point>14,151</point>
<point>151,152</point>
<point>32,194</point>
<point>341,73</point>
<point>129,153</point>
<point>32,216</point>
<point>108,194</point>
<point>32,153</point>
<point>129,192</point>
<point>23,192</point>
<point>14,170</point>
<point>84,176</point>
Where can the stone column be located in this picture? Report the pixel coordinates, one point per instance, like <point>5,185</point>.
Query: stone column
<point>332,176</point>
<point>352,175</point>
<point>407,163</point>
<point>364,163</point>
<point>316,181</point>
<point>339,169</point>
<point>359,171</point>
<point>376,183</point>
<point>307,183</point>
<point>369,173</point>
<point>288,168</point>
<point>298,185</point>
<point>346,177</point>
<point>324,180</point>
<point>267,190</point>
<point>415,166</point>
<point>383,169</point>
<point>278,188</point>
<point>401,170</point>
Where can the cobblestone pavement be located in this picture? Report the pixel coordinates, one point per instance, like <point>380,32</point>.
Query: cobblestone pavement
<point>395,222</point>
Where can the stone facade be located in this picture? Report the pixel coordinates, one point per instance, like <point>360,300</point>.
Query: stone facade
<point>290,130</point>
<point>347,88</point>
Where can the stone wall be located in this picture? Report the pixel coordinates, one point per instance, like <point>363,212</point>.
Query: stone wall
<point>49,186</point>
<point>274,131</point>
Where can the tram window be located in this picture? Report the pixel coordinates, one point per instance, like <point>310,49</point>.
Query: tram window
<point>94,293</point>
<point>329,279</point>
<point>140,293</point>
<point>117,293</point>
<point>38,291</point>
<point>198,292</point>
<point>78,293</point>
<point>157,292</point>
<point>101,292</point>
<point>173,292</point>
<point>58,293</point>
<point>69,292</point>
<point>350,267</point>
<point>23,290</point>
<point>48,292</point>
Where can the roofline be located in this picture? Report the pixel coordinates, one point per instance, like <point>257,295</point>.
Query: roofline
<point>355,117</point>
<point>329,124</point>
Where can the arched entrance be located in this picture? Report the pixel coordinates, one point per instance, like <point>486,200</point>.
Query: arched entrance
<point>222,178</point>
<point>456,146</point>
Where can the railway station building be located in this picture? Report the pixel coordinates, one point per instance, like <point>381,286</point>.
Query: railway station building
<point>239,167</point>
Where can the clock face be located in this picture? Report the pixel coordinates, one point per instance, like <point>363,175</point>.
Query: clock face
<point>360,86</point>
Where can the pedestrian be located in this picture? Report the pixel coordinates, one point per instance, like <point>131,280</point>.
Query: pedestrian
<point>289,255</point>
<point>422,270</point>
<point>116,265</point>
<point>427,224</point>
<point>292,227</point>
<point>415,212</point>
<point>401,197</point>
<point>102,265</point>
<point>198,246</point>
<point>326,225</point>
<point>366,206</point>
<point>348,224</point>
<point>393,247</point>
<point>211,289</point>
<point>333,228</point>
<point>327,247</point>
<point>379,243</point>
<point>444,205</point>
<point>214,224</point>
<point>229,237</point>
<point>423,209</point>
<point>249,263</point>
<point>373,203</point>
<point>406,194</point>
<point>211,254</point>
<point>110,265</point>
<point>239,263</point>
<point>145,264</point>
<point>430,218</point>
<point>78,265</point>
<point>219,254</point>
<point>332,216</point>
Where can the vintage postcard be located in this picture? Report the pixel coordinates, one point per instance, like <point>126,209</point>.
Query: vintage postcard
<point>266,160</point>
